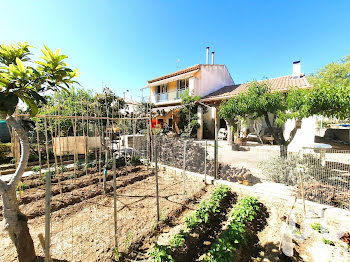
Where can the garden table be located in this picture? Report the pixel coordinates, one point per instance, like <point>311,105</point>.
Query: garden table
<point>322,148</point>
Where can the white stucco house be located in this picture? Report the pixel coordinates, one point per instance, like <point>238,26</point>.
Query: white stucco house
<point>214,84</point>
<point>165,91</point>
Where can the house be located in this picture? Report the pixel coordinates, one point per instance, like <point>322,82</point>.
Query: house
<point>214,84</point>
<point>201,80</point>
<point>305,134</point>
<point>131,106</point>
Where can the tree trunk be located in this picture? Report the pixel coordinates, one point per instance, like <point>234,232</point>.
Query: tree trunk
<point>283,150</point>
<point>229,124</point>
<point>15,222</point>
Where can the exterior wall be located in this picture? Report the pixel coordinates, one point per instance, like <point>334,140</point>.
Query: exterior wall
<point>211,78</point>
<point>172,90</point>
<point>304,136</point>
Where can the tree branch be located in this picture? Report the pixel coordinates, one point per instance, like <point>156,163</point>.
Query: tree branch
<point>12,122</point>
<point>294,131</point>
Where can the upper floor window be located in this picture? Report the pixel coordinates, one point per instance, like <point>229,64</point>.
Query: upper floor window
<point>183,84</point>
<point>161,89</point>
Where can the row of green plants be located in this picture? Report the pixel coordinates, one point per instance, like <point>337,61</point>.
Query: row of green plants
<point>200,217</point>
<point>235,235</point>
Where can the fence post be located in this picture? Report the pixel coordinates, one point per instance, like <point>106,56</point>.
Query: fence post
<point>133,137</point>
<point>157,185</point>
<point>216,143</point>
<point>115,201</point>
<point>47,216</point>
<point>205,162</point>
<point>184,171</point>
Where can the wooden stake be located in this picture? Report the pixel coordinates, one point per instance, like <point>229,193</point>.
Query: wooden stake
<point>157,185</point>
<point>302,191</point>
<point>38,145</point>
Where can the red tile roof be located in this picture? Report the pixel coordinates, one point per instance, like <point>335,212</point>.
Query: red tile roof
<point>276,84</point>
<point>180,72</point>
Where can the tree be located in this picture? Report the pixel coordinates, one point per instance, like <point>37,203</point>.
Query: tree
<point>188,114</point>
<point>331,93</point>
<point>27,83</point>
<point>260,102</point>
<point>328,96</point>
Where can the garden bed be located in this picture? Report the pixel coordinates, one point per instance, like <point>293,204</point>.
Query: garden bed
<point>82,217</point>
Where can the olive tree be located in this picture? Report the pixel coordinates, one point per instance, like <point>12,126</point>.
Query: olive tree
<point>22,79</point>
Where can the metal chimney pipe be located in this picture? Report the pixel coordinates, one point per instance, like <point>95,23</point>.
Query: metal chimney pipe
<point>212,58</point>
<point>207,54</point>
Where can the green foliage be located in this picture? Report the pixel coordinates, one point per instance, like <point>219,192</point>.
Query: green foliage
<point>188,115</point>
<point>128,240</point>
<point>35,169</point>
<point>207,208</point>
<point>328,242</point>
<point>116,254</point>
<point>329,96</point>
<point>235,235</point>
<point>199,217</point>
<point>5,149</point>
<point>51,173</point>
<point>331,93</point>
<point>22,187</point>
<point>178,239</point>
<point>316,226</point>
<point>161,253</point>
<point>26,82</point>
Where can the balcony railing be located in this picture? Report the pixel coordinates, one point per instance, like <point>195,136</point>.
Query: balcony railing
<point>169,96</point>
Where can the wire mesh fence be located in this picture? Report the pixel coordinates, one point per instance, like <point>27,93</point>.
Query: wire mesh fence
<point>325,174</point>
<point>105,194</point>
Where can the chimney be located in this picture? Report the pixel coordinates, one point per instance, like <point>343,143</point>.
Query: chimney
<point>126,95</point>
<point>207,54</point>
<point>296,69</point>
<point>212,58</point>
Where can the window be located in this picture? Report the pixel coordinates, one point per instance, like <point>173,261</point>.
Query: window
<point>182,84</point>
<point>162,89</point>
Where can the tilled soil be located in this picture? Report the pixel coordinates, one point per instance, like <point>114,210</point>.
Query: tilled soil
<point>82,227</point>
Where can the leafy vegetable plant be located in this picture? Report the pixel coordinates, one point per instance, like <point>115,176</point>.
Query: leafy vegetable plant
<point>235,235</point>
<point>202,215</point>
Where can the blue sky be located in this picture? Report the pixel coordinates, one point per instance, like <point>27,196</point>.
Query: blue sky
<point>126,43</point>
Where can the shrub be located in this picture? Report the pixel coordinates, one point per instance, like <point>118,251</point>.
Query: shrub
<point>285,170</point>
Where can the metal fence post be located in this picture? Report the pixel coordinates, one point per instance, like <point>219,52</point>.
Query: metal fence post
<point>184,171</point>
<point>157,185</point>
<point>47,216</point>
<point>115,201</point>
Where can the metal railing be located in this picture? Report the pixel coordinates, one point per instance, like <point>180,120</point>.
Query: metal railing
<point>168,96</point>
